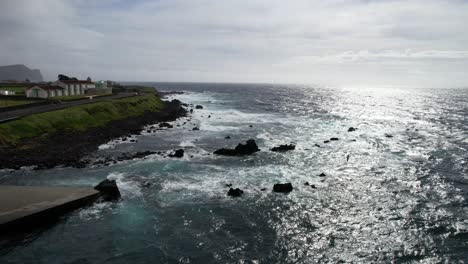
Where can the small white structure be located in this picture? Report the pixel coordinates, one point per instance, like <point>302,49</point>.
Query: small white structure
<point>44,91</point>
<point>6,92</point>
<point>74,87</point>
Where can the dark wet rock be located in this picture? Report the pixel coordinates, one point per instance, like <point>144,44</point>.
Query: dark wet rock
<point>306,183</point>
<point>235,192</point>
<point>334,139</point>
<point>322,174</point>
<point>209,116</point>
<point>312,186</point>
<point>283,148</point>
<point>352,129</point>
<point>263,189</point>
<point>250,125</point>
<point>177,154</point>
<point>109,190</point>
<point>124,139</point>
<point>317,145</point>
<point>326,141</point>
<point>242,149</point>
<point>388,135</point>
<point>227,137</point>
<point>195,129</point>
<point>146,184</point>
<point>248,148</point>
<point>198,107</point>
<point>283,187</point>
<point>164,124</point>
<point>353,140</point>
<point>133,140</point>
<point>191,110</point>
<point>228,185</point>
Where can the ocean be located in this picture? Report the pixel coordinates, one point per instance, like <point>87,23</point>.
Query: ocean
<point>395,189</point>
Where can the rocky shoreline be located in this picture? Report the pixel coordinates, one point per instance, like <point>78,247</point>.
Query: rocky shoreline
<point>68,149</point>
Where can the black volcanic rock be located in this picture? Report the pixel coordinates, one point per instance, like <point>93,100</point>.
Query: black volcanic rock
<point>164,124</point>
<point>248,148</point>
<point>19,72</point>
<point>283,187</point>
<point>108,189</point>
<point>242,149</point>
<point>235,192</point>
<point>177,154</point>
<point>283,148</point>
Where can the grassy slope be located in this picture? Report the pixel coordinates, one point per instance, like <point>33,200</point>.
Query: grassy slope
<point>77,118</point>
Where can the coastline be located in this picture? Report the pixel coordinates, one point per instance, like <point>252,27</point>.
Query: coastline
<point>68,148</point>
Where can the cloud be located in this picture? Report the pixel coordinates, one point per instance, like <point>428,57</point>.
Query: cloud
<point>240,41</point>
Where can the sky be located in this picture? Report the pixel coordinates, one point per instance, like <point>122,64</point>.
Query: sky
<point>334,42</point>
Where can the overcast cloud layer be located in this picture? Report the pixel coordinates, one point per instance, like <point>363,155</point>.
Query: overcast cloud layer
<point>337,42</point>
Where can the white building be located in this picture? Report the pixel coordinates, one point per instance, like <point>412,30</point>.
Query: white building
<point>6,92</point>
<point>74,87</point>
<point>44,91</point>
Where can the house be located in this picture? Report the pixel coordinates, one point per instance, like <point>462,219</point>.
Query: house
<point>44,91</point>
<point>74,87</point>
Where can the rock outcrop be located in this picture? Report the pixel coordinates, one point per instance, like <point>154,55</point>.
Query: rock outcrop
<point>283,187</point>
<point>242,149</point>
<point>235,192</point>
<point>109,190</point>
<point>283,148</point>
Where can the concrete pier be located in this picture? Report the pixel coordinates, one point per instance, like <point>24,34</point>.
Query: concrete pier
<point>24,207</point>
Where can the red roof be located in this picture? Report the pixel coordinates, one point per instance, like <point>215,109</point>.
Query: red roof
<point>47,87</point>
<point>75,81</point>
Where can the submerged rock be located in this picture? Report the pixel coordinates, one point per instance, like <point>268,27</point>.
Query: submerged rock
<point>195,128</point>
<point>352,129</point>
<point>284,148</point>
<point>283,187</point>
<point>388,135</point>
<point>235,192</point>
<point>322,174</point>
<point>109,190</point>
<point>242,149</point>
<point>306,183</point>
<point>228,185</point>
<point>227,137</point>
<point>177,154</point>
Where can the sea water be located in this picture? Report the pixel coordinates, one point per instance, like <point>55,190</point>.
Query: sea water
<point>395,189</point>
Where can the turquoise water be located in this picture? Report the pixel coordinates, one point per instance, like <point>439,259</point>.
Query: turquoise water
<point>400,198</point>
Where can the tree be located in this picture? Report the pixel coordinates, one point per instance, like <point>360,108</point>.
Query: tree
<point>88,79</point>
<point>62,77</point>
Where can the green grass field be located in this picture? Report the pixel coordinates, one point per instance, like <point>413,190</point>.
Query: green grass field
<point>77,118</point>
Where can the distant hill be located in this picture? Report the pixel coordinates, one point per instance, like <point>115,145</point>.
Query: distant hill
<point>19,72</point>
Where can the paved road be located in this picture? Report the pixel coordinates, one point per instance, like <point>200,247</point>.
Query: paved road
<point>14,114</point>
